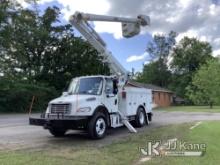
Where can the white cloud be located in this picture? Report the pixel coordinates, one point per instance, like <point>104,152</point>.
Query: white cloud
<point>44,1</point>
<point>216,53</point>
<point>189,33</point>
<point>96,6</point>
<point>212,9</point>
<point>134,58</point>
<point>109,27</point>
<point>184,3</point>
<point>188,18</point>
<point>23,3</point>
<point>146,62</point>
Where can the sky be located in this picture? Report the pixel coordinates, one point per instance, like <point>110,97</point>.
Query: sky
<point>192,18</point>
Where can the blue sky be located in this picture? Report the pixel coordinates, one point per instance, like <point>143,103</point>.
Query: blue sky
<point>199,18</point>
<point>124,48</point>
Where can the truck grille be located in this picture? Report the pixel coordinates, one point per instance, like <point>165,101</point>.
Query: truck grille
<point>60,108</point>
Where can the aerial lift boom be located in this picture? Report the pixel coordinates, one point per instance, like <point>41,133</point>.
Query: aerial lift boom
<point>130,28</point>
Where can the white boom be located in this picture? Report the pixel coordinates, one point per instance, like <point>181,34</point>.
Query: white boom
<point>130,27</point>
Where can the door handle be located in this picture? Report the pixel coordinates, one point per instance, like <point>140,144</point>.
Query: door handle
<point>116,101</point>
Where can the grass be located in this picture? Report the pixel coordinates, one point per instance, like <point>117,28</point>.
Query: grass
<point>191,108</point>
<point>208,133</point>
<point>125,151</point>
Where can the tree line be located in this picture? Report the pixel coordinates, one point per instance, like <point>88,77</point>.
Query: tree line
<point>187,68</point>
<point>39,56</point>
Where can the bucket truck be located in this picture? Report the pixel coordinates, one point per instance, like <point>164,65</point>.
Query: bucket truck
<point>96,103</point>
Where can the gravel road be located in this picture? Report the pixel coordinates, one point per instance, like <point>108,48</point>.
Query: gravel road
<point>16,134</point>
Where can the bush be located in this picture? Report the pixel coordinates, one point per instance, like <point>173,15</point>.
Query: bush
<point>17,96</point>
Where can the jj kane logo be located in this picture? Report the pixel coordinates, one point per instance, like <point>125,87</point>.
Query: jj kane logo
<point>173,148</point>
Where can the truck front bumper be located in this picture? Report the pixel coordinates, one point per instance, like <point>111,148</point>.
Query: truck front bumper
<point>55,121</point>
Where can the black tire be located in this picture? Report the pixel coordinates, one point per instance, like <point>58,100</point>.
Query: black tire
<point>97,126</point>
<point>140,118</point>
<point>57,132</point>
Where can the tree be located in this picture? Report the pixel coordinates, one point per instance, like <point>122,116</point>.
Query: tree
<point>161,46</point>
<point>39,56</point>
<point>187,57</point>
<point>150,74</point>
<point>205,84</point>
<point>8,10</point>
<point>157,72</point>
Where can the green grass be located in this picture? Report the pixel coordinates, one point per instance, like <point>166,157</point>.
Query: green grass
<point>208,133</point>
<point>191,108</point>
<point>125,151</point>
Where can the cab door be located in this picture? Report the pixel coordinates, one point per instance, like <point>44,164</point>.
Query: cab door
<point>110,95</point>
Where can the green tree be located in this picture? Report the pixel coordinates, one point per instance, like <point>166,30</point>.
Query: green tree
<point>8,10</point>
<point>157,72</point>
<point>187,57</point>
<point>161,45</point>
<point>205,84</point>
<point>150,74</point>
<point>38,53</point>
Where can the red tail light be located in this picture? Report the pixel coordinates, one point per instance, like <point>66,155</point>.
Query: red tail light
<point>123,93</point>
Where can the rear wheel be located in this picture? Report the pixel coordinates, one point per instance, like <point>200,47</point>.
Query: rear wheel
<point>97,126</point>
<point>57,132</point>
<point>140,118</point>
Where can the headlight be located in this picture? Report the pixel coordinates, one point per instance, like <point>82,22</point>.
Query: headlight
<point>84,109</point>
<point>48,109</point>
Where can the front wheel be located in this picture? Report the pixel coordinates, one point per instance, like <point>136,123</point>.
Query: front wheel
<point>57,132</point>
<point>97,126</point>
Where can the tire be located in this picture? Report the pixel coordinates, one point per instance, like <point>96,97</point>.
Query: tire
<point>97,126</point>
<point>140,118</point>
<point>147,119</point>
<point>57,132</point>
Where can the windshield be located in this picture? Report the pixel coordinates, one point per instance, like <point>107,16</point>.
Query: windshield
<point>90,86</point>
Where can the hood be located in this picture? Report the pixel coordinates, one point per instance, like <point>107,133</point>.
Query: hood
<point>72,99</point>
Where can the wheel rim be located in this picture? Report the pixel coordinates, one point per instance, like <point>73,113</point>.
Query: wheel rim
<point>141,117</point>
<point>100,126</point>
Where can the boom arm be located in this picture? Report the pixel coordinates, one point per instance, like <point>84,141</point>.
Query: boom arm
<point>130,26</point>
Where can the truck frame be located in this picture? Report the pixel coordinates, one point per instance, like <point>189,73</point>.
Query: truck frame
<point>96,103</point>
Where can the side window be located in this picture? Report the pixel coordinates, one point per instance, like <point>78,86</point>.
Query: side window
<point>109,86</point>
<point>115,86</point>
